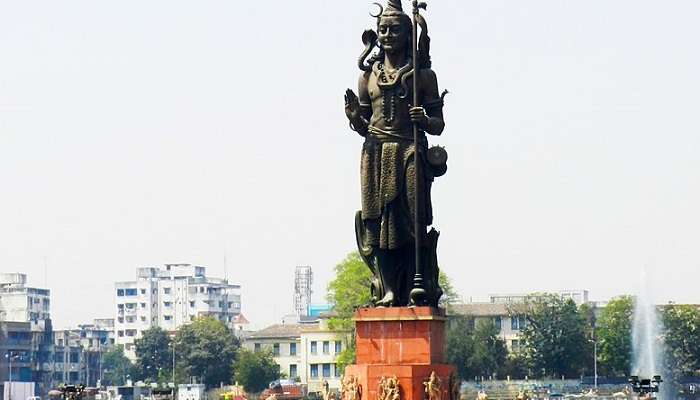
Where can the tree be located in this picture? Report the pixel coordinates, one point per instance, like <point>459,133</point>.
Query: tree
<point>682,339</point>
<point>349,290</point>
<point>116,366</point>
<point>614,336</point>
<point>206,349</point>
<point>460,345</point>
<point>556,335</point>
<point>154,354</point>
<point>449,294</point>
<point>489,351</point>
<point>476,351</point>
<point>255,370</point>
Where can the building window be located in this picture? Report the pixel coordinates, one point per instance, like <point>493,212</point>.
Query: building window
<point>314,370</point>
<point>58,357</point>
<point>167,317</point>
<point>143,319</point>
<point>257,347</point>
<point>166,290</point>
<point>74,358</point>
<point>167,304</point>
<point>143,291</point>
<point>60,342</point>
<point>143,305</point>
<point>58,376</point>
<point>292,349</point>
<point>120,292</point>
<point>130,292</point>
<point>515,346</point>
<point>120,333</point>
<point>191,303</point>
<point>276,349</point>
<point>326,347</point>
<point>338,346</point>
<point>131,332</point>
<point>515,323</point>
<point>292,370</point>
<point>120,320</point>
<point>337,371</point>
<point>497,322</point>
<point>73,377</point>
<point>314,349</point>
<point>326,370</point>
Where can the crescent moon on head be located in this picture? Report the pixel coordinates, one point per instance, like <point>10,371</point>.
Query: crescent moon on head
<point>381,11</point>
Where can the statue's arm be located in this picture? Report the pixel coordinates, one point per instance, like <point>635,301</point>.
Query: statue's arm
<point>432,103</point>
<point>359,109</point>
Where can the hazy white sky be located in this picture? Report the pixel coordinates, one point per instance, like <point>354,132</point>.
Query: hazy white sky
<point>146,132</point>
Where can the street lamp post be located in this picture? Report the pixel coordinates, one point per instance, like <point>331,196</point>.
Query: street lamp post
<point>10,357</point>
<point>595,363</point>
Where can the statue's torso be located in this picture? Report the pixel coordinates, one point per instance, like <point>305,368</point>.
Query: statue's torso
<point>390,104</point>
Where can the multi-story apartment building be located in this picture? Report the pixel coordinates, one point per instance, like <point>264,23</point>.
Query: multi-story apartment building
<point>28,352</point>
<point>20,303</point>
<point>305,351</point>
<point>78,352</point>
<point>170,297</point>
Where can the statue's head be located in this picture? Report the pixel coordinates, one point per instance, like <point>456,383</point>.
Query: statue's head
<point>394,27</point>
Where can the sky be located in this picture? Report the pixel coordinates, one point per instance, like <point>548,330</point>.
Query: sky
<point>137,133</point>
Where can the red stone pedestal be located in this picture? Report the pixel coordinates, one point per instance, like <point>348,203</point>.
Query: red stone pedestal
<point>408,343</point>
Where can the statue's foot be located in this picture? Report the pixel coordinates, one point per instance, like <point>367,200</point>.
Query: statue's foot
<point>388,300</point>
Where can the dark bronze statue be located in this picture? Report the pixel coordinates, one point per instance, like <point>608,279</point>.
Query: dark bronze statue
<point>398,103</point>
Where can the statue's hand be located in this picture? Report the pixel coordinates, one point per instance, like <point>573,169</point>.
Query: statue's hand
<point>352,106</point>
<point>419,116</point>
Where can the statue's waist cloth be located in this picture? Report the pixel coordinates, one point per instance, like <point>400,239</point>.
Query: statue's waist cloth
<point>388,187</point>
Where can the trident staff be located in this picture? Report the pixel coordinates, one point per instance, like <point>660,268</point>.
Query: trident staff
<point>417,295</point>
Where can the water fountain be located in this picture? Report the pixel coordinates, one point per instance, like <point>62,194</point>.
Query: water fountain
<point>647,348</point>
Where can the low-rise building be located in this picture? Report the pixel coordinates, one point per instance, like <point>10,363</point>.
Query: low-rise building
<point>78,352</point>
<point>305,351</point>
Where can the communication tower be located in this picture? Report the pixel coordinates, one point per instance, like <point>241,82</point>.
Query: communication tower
<point>303,278</point>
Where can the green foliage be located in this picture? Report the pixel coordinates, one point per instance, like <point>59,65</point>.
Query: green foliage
<point>489,350</point>
<point>349,290</point>
<point>475,351</point>
<point>460,345</point>
<point>154,355</point>
<point>255,370</point>
<point>556,336</point>
<point>449,294</point>
<point>682,338</point>
<point>116,366</point>
<point>614,335</point>
<point>347,356</point>
<point>206,349</point>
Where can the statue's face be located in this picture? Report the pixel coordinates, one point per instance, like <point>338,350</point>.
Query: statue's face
<point>392,33</point>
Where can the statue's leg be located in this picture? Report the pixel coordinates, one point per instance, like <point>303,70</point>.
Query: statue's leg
<point>386,264</point>
<point>367,253</point>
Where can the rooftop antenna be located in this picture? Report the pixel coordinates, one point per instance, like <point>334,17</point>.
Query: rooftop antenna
<point>225,268</point>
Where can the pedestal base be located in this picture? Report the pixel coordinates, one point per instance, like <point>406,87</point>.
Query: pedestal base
<point>406,343</point>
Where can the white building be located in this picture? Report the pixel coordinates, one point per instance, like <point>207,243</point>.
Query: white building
<point>307,352</point>
<point>578,296</point>
<point>20,303</point>
<point>170,297</point>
